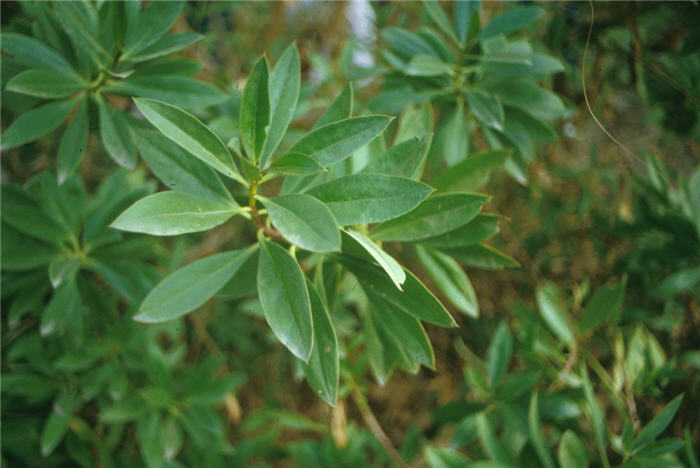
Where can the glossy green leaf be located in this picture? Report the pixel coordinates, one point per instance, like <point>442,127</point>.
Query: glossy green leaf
<point>79,20</point>
<point>36,123</point>
<point>180,91</point>
<point>177,168</point>
<point>571,451</point>
<point>73,144</point>
<point>340,108</point>
<point>370,198</point>
<point>383,259</point>
<point>657,425</point>
<point>24,213</point>
<point>57,423</point>
<point>45,84</point>
<point>285,299</point>
<point>34,54</point>
<point>191,134</point>
<point>304,221</point>
<point>295,164</point>
<point>438,214</point>
<point>285,82</point>
<point>480,228</point>
<point>471,173</point>
<point>406,159</point>
<point>116,135</point>
<point>486,107</point>
<point>553,312</point>
<point>336,141</point>
<point>499,354</point>
<point>512,20</point>
<point>415,299</point>
<point>191,286</point>
<point>255,110</point>
<point>604,305</point>
<point>536,437</point>
<point>450,280</point>
<point>323,368</point>
<point>482,256</point>
<point>173,213</point>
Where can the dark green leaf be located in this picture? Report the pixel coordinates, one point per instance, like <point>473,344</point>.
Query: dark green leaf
<point>45,84</point>
<point>340,108</point>
<point>657,425</point>
<point>57,423</point>
<point>173,213</point>
<point>370,198</point>
<point>438,214</point>
<point>322,369</point>
<point>553,312</point>
<point>383,259</point>
<point>406,159</point>
<point>481,227</point>
<point>482,256</point>
<point>536,436</point>
<point>150,25</point>
<point>571,451</point>
<point>191,286</point>
<point>116,135</point>
<point>295,164</point>
<point>166,46</point>
<point>255,110</point>
<point>604,305</point>
<point>73,144</point>
<point>511,20</point>
<point>191,134</point>
<point>304,221</point>
<point>285,80</point>
<point>437,14</point>
<point>471,173</point>
<point>180,91</point>
<point>336,141</point>
<point>36,123</point>
<point>499,354</point>
<point>486,107</point>
<point>285,299</point>
<point>427,65</point>
<point>34,54</point>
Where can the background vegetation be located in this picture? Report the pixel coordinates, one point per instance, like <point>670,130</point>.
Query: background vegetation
<point>578,345</point>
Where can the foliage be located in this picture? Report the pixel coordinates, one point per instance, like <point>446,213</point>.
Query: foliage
<point>146,304</point>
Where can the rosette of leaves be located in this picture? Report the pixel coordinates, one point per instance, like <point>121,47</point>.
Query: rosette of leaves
<point>74,60</point>
<point>479,77</point>
<point>317,218</point>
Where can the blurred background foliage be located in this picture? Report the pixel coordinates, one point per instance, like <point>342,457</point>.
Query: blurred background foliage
<point>597,330</point>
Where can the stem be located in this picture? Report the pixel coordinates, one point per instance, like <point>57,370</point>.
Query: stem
<point>254,216</point>
<point>376,428</point>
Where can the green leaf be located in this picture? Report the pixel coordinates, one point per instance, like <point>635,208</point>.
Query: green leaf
<point>499,354</point>
<point>304,221</point>
<point>536,436</point>
<point>177,168</point>
<point>285,81</point>
<point>450,280</point>
<point>166,46</point>
<point>295,164</point>
<point>553,312</point>
<point>180,91</point>
<point>415,299</point>
<point>486,107</point>
<point>511,20</point>
<point>322,370</point>
<point>255,110</point>
<point>57,424</point>
<point>24,213</point>
<point>489,442</point>
<point>597,415</point>
<point>336,141</point>
<point>383,259</point>
<point>191,134</point>
<point>171,438</point>
<point>677,282</point>
<point>340,108</point>
<point>464,10</point>
<point>406,159</point>
<point>438,214</point>
<point>471,173</point>
<point>481,227</point>
<point>64,312</point>
<point>34,54</point>
<point>62,269</point>
<point>538,102</point>
<point>45,84</point>
<point>116,135</point>
<point>452,136</point>
<point>150,25</point>
<point>285,299</point>
<point>482,256</point>
<point>191,286</point>
<point>73,144</point>
<point>79,21</point>
<point>36,123</point>
<point>437,14</point>
<point>370,198</point>
<point>690,455</point>
<point>406,332</point>
<point>605,304</point>
<point>427,65</point>
<point>571,451</point>
<point>444,458</point>
<point>657,425</point>
<point>173,213</point>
